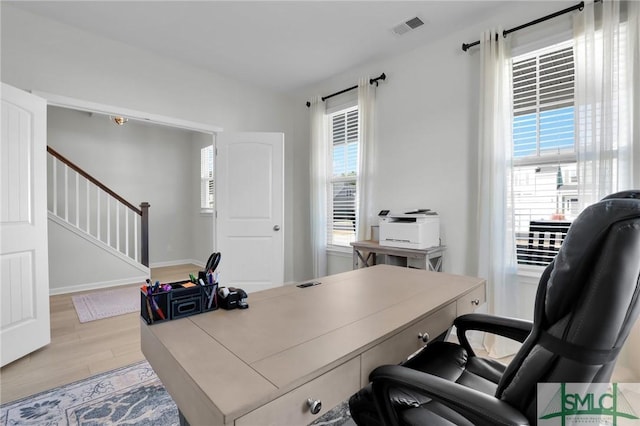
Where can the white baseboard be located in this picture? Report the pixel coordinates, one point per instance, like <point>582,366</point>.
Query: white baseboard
<point>100,285</point>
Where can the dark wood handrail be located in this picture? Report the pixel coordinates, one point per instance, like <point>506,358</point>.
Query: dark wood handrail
<point>92,179</point>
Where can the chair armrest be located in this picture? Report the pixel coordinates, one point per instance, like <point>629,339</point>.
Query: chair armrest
<point>511,328</point>
<point>479,408</point>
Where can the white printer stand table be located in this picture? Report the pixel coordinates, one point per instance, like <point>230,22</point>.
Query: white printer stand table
<point>365,253</point>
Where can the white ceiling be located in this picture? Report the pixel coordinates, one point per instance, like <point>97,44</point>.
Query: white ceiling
<point>281,45</point>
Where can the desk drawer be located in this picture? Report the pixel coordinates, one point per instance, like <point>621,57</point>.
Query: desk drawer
<point>331,388</point>
<point>470,302</point>
<point>397,349</point>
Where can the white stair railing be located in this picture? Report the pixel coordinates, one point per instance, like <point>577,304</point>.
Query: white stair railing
<point>87,204</point>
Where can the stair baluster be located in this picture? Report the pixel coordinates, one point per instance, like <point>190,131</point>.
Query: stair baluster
<point>99,210</point>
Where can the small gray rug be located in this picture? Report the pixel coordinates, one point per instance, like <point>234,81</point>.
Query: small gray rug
<point>131,395</point>
<point>104,304</point>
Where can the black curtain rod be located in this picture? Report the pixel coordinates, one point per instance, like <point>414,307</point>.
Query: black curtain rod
<point>382,77</point>
<point>580,6</point>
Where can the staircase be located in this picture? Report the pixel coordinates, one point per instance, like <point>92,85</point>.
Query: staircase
<point>79,203</point>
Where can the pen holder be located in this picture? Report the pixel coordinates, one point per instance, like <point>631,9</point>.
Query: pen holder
<point>148,309</point>
<point>210,297</point>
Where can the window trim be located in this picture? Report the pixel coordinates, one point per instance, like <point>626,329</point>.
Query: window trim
<point>345,251</point>
<point>207,210</point>
<point>342,108</point>
<point>537,158</point>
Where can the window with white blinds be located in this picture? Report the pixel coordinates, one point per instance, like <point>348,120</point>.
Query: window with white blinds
<point>344,138</point>
<point>206,179</point>
<point>544,160</point>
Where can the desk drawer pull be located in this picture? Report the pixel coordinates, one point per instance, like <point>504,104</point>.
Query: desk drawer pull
<point>315,405</point>
<point>424,337</point>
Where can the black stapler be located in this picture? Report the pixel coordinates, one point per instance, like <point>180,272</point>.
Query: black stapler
<point>231,298</point>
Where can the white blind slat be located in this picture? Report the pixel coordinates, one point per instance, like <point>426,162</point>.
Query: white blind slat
<point>206,178</point>
<point>342,187</point>
<point>545,194</point>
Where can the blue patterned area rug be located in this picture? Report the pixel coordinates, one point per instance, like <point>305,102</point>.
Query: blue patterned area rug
<point>131,395</point>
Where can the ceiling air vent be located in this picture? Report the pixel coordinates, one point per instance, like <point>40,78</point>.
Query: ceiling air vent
<point>407,26</point>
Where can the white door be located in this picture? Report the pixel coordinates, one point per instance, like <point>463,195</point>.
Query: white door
<point>24,264</point>
<point>250,209</point>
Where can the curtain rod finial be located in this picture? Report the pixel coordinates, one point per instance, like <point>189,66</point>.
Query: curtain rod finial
<point>382,77</point>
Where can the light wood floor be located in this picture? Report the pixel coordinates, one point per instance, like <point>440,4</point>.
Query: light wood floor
<point>78,351</point>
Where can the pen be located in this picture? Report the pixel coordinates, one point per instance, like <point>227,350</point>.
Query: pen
<point>149,312</point>
<point>212,296</point>
<point>155,306</point>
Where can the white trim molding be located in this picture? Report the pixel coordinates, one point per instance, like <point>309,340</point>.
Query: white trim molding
<point>88,106</point>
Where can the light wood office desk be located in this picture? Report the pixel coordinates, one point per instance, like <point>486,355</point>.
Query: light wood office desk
<point>259,366</point>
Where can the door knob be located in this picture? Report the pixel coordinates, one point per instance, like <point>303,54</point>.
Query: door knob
<point>276,227</point>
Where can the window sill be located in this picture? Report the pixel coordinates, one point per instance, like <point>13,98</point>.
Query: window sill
<point>340,251</point>
<point>206,212</point>
<point>530,274</point>
<point>530,270</point>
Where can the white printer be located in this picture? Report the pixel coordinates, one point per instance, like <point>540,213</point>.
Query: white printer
<point>416,229</point>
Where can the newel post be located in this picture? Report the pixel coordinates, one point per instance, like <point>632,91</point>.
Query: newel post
<point>144,233</point>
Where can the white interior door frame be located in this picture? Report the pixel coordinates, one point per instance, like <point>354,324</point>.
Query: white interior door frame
<point>98,108</point>
<point>88,106</point>
<point>111,110</point>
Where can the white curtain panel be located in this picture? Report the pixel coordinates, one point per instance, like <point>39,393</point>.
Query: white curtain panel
<point>633,79</point>
<point>496,238</point>
<point>366,109</point>
<point>319,170</point>
<point>606,90</point>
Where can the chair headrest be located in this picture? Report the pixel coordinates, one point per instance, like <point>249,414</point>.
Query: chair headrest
<point>633,193</point>
<point>584,239</point>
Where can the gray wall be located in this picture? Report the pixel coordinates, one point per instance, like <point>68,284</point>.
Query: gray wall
<point>426,128</point>
<point>78,263</point>
<point>202,224</point>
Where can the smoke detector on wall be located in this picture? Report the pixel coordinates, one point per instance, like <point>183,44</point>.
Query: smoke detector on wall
<point>408,25</point>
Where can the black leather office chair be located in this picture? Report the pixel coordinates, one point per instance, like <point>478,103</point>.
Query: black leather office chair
<point>588,300</point>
